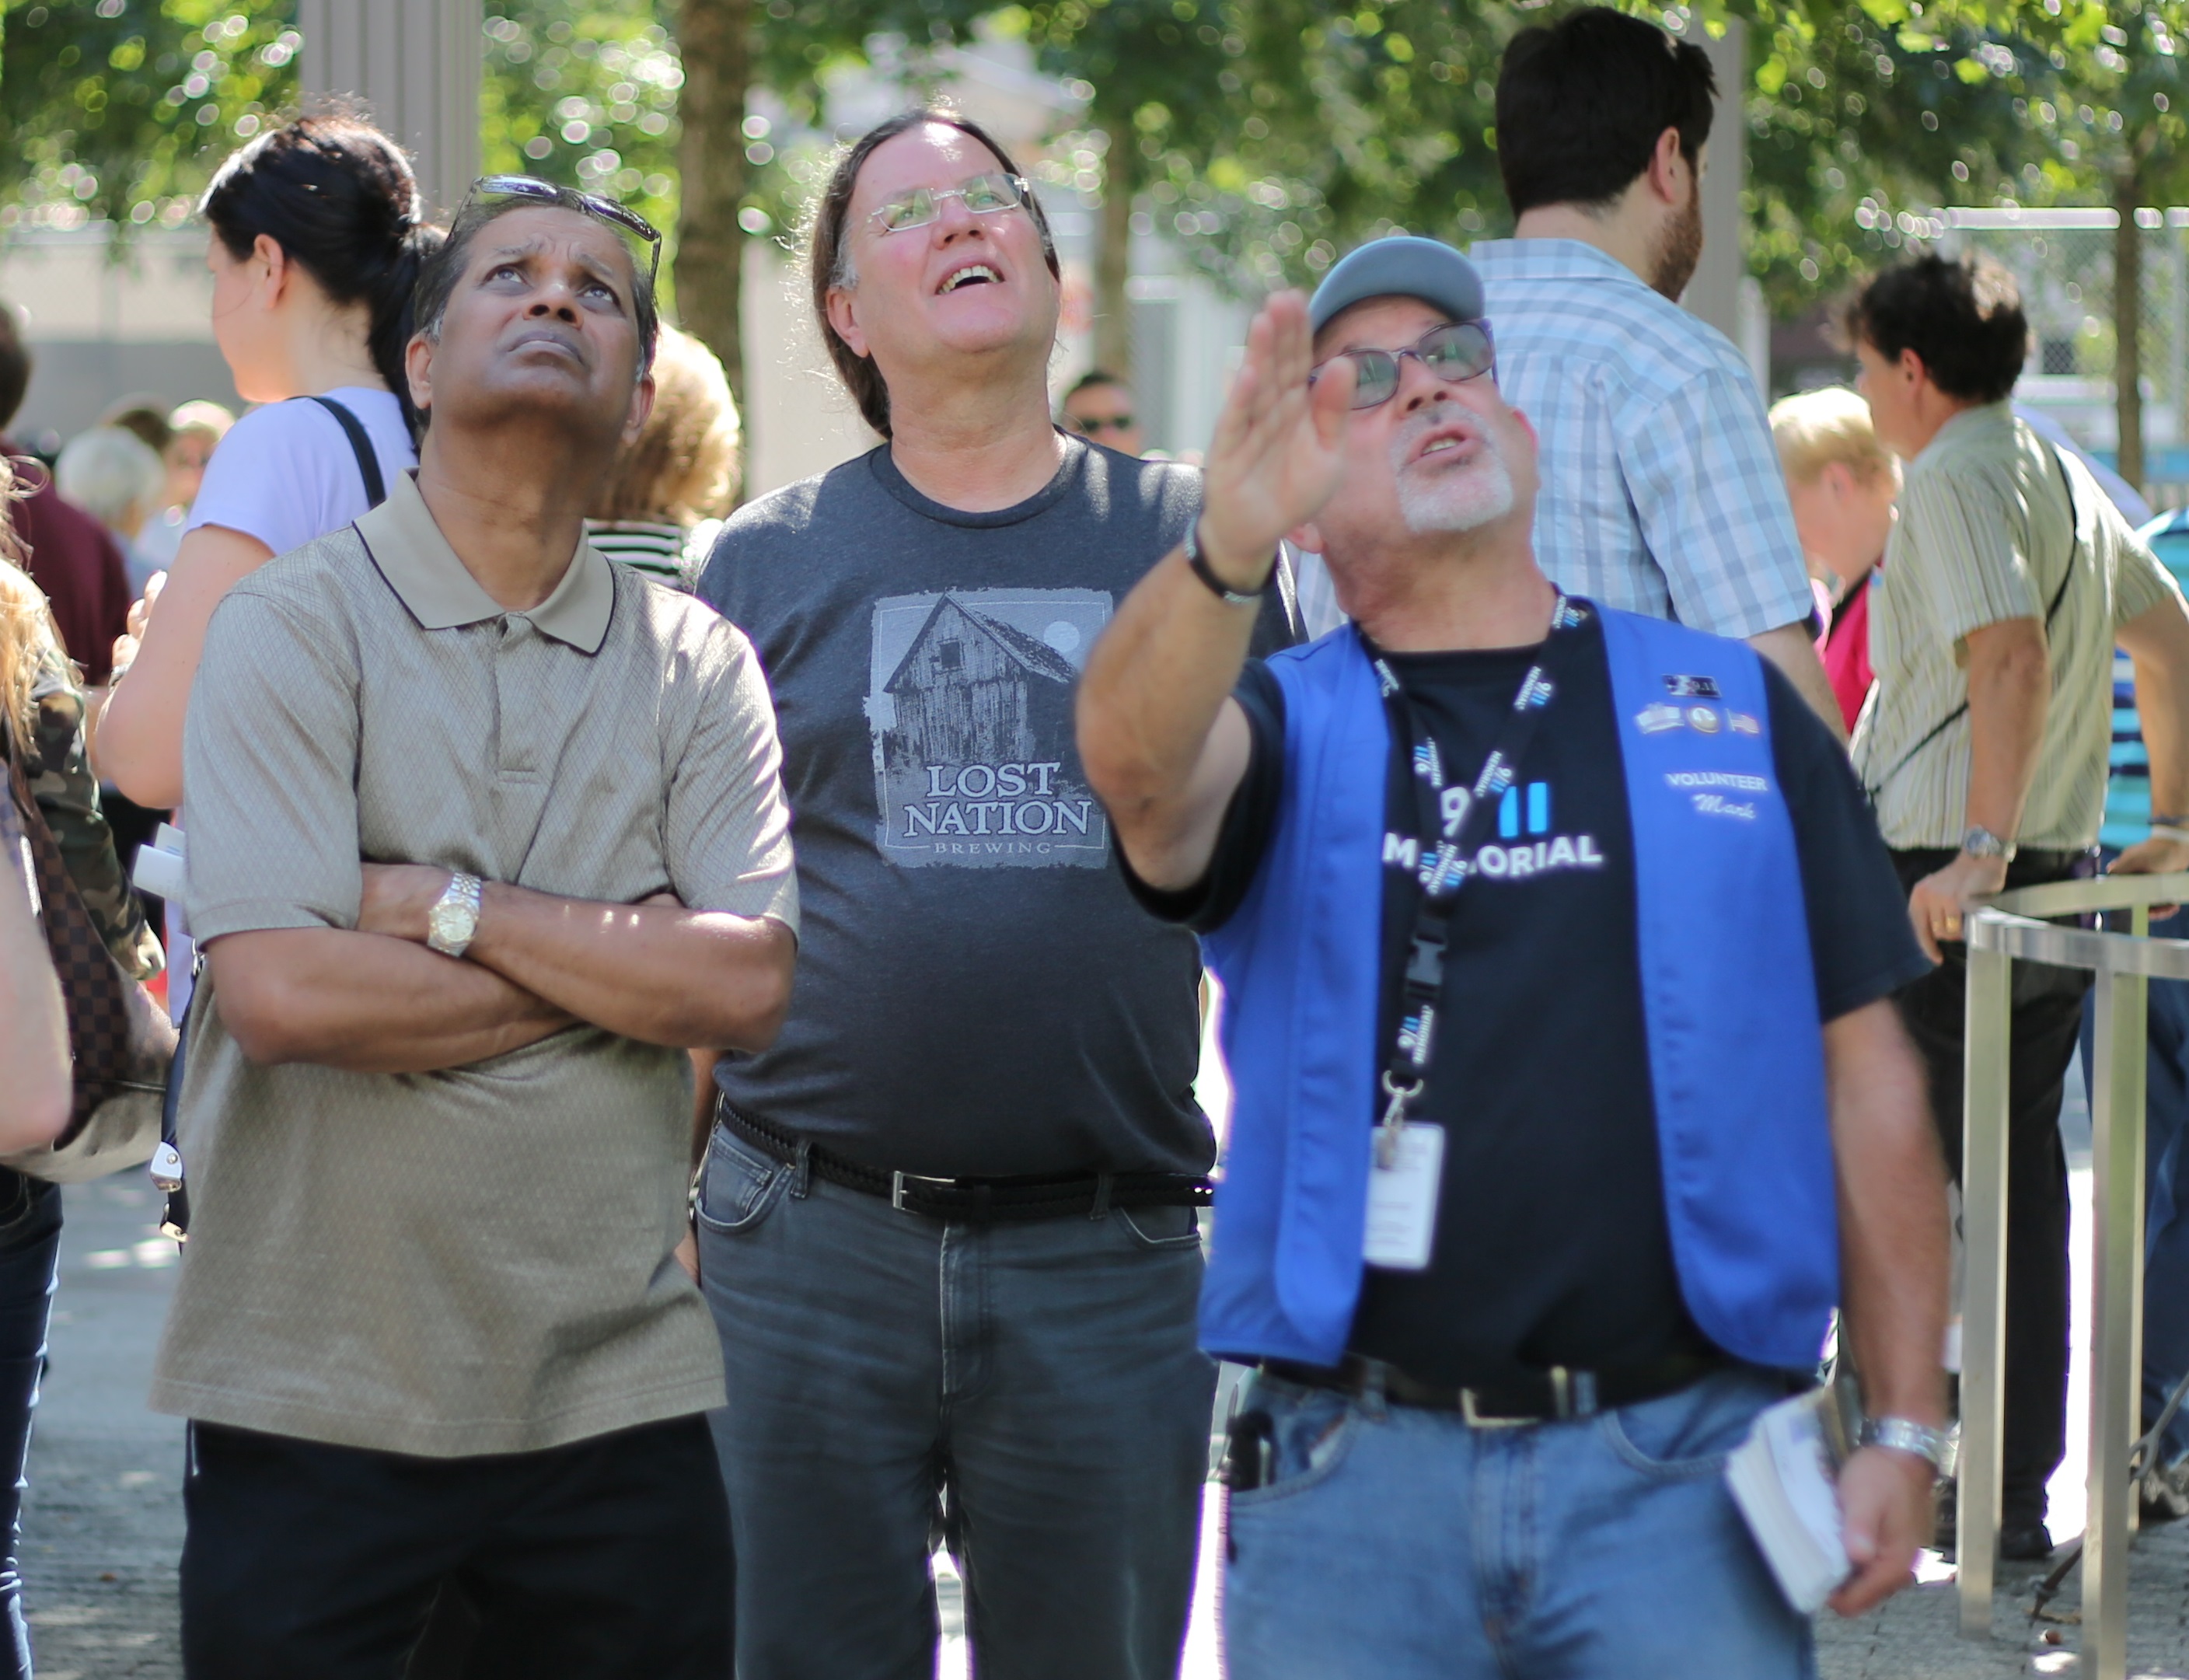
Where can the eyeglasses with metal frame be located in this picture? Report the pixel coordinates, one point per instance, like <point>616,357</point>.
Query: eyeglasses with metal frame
<point>623,219</point>
<point>985,194</point>
<point>1457,351</point>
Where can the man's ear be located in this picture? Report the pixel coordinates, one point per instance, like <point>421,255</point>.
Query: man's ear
<point>1668,164</point>
<point>642,408</point>
<point>844,317</point>
<point>1909,367</point>
<point>418,369</point>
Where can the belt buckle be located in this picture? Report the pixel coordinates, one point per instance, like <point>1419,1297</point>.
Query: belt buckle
<point>1479,1420</point>
<point>899,1181</point>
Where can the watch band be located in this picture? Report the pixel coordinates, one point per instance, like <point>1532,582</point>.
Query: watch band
<point>1223,592</point>
<point>2162,828</point>
<point>1905,1435</point>
<point>453,919</point>
<point>1980,842</point>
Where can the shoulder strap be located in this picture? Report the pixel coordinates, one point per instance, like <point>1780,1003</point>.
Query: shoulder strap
<point>368,463</point>
<point>1871,790</point>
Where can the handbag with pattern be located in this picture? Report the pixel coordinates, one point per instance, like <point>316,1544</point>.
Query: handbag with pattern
<point>122,1041</point>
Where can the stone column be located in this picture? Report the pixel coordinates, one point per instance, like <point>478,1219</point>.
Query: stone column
<point>1714,293</point>
<point>415,65</point>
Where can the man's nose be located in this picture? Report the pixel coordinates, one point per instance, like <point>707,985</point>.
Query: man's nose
<point>557,300</point>
<point>1418,388</point>
<point>951,216</point>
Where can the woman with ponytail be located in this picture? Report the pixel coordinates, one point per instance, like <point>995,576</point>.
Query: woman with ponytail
<point>317,238</point>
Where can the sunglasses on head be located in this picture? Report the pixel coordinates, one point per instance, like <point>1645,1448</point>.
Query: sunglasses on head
<point>627,221</point>
<point>983,196</point>
<point>1462,350</point>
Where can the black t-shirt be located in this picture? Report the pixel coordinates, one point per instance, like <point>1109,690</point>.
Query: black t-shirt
<point>977,992</point>
<point>1551,1242</point>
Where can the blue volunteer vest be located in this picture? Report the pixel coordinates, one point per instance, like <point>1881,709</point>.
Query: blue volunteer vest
<point>1736,1058</point>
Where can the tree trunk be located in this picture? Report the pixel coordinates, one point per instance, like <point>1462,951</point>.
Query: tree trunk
<point>714,39</point>
<point>1113,254</point>
<point>2127,329</point>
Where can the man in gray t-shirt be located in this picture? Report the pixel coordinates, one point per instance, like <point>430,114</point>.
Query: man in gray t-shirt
<point>948,1223</point>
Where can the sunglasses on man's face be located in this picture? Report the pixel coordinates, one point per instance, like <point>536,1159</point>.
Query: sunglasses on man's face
<point>1089,425</point>
<point>624,221</point>
<point>918,207</point>
<point>1461,350</point>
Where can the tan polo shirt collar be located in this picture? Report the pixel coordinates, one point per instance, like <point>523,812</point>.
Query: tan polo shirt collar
<point>433,584</point>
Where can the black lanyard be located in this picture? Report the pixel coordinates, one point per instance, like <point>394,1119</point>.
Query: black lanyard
<point>1455,819</point>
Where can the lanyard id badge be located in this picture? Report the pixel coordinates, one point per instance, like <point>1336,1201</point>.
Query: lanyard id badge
<point>1406,1174</point>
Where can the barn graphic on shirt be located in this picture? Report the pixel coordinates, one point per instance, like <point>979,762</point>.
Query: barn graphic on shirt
<point>971,715</point>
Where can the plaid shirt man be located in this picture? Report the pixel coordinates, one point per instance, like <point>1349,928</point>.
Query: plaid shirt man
<point>1661,491</point>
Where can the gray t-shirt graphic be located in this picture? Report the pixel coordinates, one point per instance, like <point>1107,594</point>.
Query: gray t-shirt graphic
<point>977,992</point>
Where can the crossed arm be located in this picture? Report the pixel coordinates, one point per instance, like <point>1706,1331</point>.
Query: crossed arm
<point>376,999</point>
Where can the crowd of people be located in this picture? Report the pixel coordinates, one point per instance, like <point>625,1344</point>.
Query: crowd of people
<point>687,1101</point>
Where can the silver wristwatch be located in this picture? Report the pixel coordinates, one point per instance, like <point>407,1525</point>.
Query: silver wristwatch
<point>1980,842</point>
<point>1904,1434</point>
<point>454,916</point>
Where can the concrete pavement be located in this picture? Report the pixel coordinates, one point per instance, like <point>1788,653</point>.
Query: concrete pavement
<point>103,1524</point>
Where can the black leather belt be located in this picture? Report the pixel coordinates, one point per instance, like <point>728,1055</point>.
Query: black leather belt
<point>1556,1395</point>
<point>975,1201</point>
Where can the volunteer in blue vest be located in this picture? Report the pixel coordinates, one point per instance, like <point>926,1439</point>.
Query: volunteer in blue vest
<point>1557,945</point>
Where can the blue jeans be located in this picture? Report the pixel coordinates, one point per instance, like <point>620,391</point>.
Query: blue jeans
<point>1401,1543</point>
<point>29,1249</point>
<point>1030,1392</point>
<point>2166,1188</point>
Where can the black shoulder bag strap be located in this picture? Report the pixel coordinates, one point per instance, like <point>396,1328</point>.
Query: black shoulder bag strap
<point>1871,790</point>
<point>368,463</point>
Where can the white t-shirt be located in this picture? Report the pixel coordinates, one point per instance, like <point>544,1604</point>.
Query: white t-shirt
<point>285,473</point>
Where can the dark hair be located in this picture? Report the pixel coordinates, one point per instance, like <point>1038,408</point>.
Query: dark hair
<point>1092,377</point>
<point>338,197</point>
<point>1581,105</point>
<point>829,262</point>
<point>144,416</point>
<point>1963,317</point>
<point>438,278</point>
<point>14,364</point>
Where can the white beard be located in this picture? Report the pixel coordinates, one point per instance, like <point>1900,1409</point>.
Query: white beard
<point>1454,501</point>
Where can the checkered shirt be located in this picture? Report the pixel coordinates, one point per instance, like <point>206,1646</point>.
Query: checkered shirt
<point>1661,492</point>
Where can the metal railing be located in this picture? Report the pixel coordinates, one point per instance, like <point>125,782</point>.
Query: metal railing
<point>2002,933</point>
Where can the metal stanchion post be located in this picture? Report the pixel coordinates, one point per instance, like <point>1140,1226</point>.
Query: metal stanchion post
<point>1999,934</point>
<point>1983,1299</point>
<point>2117,1187</point>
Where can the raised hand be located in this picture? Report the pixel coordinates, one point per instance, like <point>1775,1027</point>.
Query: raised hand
<point>1279,447</point>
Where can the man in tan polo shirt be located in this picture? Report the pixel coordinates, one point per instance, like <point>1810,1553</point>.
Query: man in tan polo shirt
<point>484,833</point>
<point>2007,582</point>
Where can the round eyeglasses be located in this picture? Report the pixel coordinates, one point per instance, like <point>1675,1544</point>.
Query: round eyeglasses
<point>983,196</point>
<point>1462,350</point>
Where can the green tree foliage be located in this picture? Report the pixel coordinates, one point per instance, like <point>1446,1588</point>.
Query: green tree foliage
<point>584,94</point>
<point>123,110</point>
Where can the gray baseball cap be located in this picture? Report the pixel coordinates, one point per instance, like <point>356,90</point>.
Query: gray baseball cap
<point>1401,266</point>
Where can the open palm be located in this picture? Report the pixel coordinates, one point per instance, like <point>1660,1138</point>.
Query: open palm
<point>1278,450</point>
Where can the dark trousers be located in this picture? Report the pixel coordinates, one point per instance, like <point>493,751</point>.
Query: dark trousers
<point>2048,1014</point>
<point>606,1557</point>
<point>29,1245</point>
